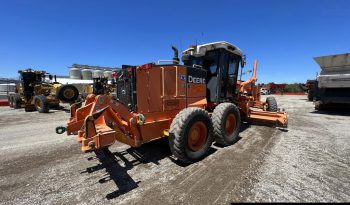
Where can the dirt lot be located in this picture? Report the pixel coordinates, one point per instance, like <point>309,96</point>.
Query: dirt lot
<point>309,162</point>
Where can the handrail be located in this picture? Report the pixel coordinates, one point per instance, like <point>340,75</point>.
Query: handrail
<point>173,61</point>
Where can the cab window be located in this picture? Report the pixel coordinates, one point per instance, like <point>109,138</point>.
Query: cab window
<point>232,67</point>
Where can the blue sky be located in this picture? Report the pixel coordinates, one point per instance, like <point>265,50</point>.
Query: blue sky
<point>284,35</point>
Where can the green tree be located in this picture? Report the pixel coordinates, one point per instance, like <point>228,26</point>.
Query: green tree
<point>293,88</point>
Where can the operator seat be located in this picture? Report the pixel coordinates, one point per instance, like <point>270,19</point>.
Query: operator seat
<point>212,80</point>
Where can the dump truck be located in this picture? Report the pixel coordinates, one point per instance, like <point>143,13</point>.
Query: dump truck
<point>332,86</point>
<point>192,104</point>
<point>34,92</point>
<point>310,85</point>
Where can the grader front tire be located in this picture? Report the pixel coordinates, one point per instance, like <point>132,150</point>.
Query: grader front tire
<point>41,104</point>
<point>17,101</point>
<point>271,104</point>
<point>190,135</point>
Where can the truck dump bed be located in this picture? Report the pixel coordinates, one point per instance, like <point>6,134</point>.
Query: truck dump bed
<point>333,84</point>
<point>335,71</point>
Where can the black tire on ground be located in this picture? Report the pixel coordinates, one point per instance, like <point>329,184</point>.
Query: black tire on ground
<point>67,93</point>
<point>17,101</point>
<point>310,95</point>
<point>190,135</point>
<point>319,106</point>
<point>271,104</point>
<point>41,104</point>
<point>227,123</point>
<point>10,99</point>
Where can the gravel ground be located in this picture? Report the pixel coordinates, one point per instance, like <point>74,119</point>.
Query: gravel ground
<point>309,162</point>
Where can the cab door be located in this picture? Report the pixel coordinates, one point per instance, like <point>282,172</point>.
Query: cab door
<point>228,76</point>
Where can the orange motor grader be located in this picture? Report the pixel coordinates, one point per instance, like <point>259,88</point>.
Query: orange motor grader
<point>192,104</point>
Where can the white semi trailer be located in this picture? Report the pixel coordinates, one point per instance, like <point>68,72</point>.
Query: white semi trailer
<point>333,83</point>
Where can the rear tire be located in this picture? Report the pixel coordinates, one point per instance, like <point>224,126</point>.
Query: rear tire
<point>319,106</point>
<point>17,102</point>
<point>271,104</point>
<point>190,135</point>
<point>41,104</point>
<point>10,99</point>
<point>227,123</point>
<point>67,93</point>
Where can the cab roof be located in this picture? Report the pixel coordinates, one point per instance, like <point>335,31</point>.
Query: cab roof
<point>200,50</point>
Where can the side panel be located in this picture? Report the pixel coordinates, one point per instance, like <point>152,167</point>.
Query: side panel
<point>155,90</point>
<point>196,87</point>
<point>142,91</point>
<point>161,89</point>
<point>174,88</point>
<point>161,94</point>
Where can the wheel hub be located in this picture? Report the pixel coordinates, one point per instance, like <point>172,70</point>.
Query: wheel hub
<point>230,125</point>
<point>68,93</point>
<point>197,136</point>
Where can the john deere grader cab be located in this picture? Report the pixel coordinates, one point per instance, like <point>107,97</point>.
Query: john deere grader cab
<point>34,93</point>
<point>192,104</point>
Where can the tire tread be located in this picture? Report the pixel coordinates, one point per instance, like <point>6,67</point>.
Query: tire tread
<point>217,118</point>
<point>272,104</point>
<point>177,129</point>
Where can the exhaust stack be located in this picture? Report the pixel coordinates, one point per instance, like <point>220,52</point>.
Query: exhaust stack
<point>176,59</point>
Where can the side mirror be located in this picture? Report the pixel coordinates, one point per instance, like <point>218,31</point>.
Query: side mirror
<point>50,77</point>
<point>248,71</point>
<point>243,61</point>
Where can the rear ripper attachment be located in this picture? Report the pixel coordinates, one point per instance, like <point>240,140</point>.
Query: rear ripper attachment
<point>191,104</point>
<point>93,103</point>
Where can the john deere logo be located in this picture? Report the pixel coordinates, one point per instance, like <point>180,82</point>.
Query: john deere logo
<point>183,77</point>
<point>196,80</point>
